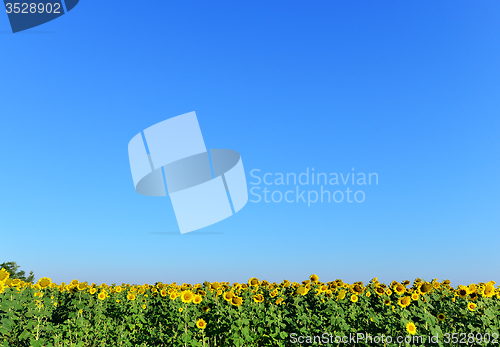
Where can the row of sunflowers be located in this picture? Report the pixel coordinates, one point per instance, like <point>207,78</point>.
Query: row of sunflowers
<point>257,313</point>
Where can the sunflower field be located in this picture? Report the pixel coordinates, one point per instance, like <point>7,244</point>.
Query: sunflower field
<point>257,313</point>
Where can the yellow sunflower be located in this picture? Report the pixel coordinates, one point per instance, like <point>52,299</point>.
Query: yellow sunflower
<point>236,301</point>
<point>441,316</point>
<point>258,298</point>
<point>3,275</point>
<point>411,328</point>
<point>187,296</point>
<point>354,298</point>
<point>44,282</point>
<point>404,301</point>
<point>425,288</point>
<point>253,281</point>
<point>201,324</point>
<point>228,296</point>
<point>471,306</point>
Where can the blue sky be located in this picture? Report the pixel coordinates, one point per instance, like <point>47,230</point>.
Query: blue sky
<point>405,90</point>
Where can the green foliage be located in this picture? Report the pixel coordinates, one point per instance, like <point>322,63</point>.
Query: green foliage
<point>73,315</point>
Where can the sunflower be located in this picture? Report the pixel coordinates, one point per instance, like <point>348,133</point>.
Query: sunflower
<point>163,292</point>
<point>228,296</point>
<point>404,301</point>
<point>399,289</point>
<point>82,286</point>
<point>471,306</point>
<point>180,309</point>
<point>44,282</point>
<point>197,299</point>
<point>357,289</point>
<point>101,296</point>
<point>236,301</point>
<point>314,278</point>
<point>425,288</point>
<point>441,316</point>
<point>201,324</point>
<point>279,301</point>
<point>187,296</point>
<point>118,289</point>
<point>301,290</point>
<point>341,295</point>
<point>173,296</point>
<point>258,298</point>
<point>411,328</point>
<point>205,309</point>
<point>387,302</point>
<point>368,294</point>
<point>3,275</point>
<point>462,292</point>
<point>354,298</point>
<point>253,281</point>
<point>473,296</point>
<point>415,296</point>
<point>131,296</point>
<point>380,290</point>
<point>388,291</point>
<point>489,290</point>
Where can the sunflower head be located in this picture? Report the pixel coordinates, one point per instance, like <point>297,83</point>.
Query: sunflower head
<point>441,316</point>
<point>236,300</point>
<point>3,275</point>
<point>201,324</point>
<point>462,292</point>
<point>253,281</point>
<point>187,296</point>
<point>425,288</point>
<point>44,282</point>
<point>228,296</point>
<point>411,328</point>
<point>258,298</point>
<point>471,306</point>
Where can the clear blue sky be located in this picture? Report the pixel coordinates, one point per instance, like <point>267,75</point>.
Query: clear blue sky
<point>407,90</point>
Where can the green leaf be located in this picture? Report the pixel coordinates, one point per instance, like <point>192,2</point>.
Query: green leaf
<point>24,335</point>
